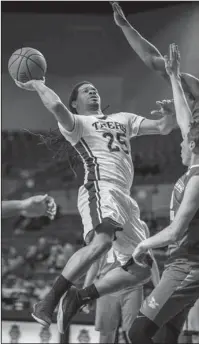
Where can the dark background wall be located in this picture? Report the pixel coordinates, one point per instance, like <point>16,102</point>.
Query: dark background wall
<point>91,47</point>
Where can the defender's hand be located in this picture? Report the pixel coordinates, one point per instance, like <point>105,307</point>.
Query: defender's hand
<point>172,63</point>
<point>166,107</point>
<point>29,85</point>
<point>118,14</point>
<point>139,254</point>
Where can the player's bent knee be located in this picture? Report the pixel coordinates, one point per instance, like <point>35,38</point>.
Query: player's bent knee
<point>142,330</point>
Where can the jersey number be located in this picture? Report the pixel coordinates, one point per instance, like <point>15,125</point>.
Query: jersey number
<point>120,139</point>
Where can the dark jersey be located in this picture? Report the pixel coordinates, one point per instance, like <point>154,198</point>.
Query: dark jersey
<point>195,111</point>
<point>188,246</point>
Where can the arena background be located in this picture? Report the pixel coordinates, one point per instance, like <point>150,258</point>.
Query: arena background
<point>80,43</point>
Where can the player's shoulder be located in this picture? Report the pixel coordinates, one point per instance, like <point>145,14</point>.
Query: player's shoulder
<point>193,171</point>
<point>125,116</point>
<point>84,120</point>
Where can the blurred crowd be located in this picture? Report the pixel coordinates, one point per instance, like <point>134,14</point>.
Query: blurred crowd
<point>27,278</point>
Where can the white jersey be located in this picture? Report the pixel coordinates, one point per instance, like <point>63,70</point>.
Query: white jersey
<point>103,142</point>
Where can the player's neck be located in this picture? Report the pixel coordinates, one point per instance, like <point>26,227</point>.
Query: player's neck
<point>93,112</point>
<point>194,160</point>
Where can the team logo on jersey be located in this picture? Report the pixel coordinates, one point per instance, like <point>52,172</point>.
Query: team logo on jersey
<point>152,303</point>
<point>99,125</point>
<point>179,186</point>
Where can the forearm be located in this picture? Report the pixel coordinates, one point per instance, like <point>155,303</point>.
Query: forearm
<point>12,208</point>
<point>148,53</point>
<point>151,56</point>
<point>54,104</point>
<point>183,112</point>
<point>91,274</point>
<point>161,239</point>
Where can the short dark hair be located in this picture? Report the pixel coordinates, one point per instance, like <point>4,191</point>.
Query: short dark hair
<point>74,93</point>
<point>193,134</point>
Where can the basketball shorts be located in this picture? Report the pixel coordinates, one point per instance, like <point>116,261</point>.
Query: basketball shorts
<point>99,200</point>
<point>120,308</point>
<point>177,290</point>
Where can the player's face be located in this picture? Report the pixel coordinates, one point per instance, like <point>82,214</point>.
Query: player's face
<point>186,152</point>
<point>88,96</point>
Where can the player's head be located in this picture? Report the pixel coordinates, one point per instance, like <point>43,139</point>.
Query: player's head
<point>84,98</point>
<point>190,144</point>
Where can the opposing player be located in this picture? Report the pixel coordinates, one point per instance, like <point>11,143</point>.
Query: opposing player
<point>113,309</point>
<point>34,206</point>
<point>150,55</point>
<point>179,286</point>
<point>108,212</point>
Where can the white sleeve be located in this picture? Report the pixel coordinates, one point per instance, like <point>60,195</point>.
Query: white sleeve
<point>74,135</point>
<point>134,122</point>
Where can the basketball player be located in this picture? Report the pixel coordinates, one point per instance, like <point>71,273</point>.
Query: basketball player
<point>179,286</point>
<point>115,309</point>
<point>40,205</point>
<point>150,55</point>
<point>121,306</point>
<point>108,212</point>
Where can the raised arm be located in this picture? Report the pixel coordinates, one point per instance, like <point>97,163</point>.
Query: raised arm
<point>149,54</point>
<point>51,101</point>
<point>183,112</point>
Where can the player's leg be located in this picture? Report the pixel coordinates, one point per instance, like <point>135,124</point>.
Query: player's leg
<point>178,287</point>
<point>130,301</point>
<point>108,337</point>
<point>77,265</point>
<point>170,332</point>
<point>193,322</point>
<point>117,205</point>
<point>107,318</point>
<point>119,278</point>
<point>129,275</point>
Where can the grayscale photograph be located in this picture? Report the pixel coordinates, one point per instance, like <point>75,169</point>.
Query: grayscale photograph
<point>100,172</point>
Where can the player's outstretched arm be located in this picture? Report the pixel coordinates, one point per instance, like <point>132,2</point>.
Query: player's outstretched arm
<point>35,206</point>
<point>183,112</point>
<point>149,54</point>
<point>163,125</point>
<point>51,101</point>
<point>174,232</point>
<point>11,208</point>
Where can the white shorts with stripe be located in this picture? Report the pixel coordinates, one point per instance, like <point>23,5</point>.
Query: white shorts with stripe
<point>98,200</point>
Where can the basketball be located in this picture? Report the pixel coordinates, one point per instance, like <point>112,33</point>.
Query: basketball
<point>27,64</point>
